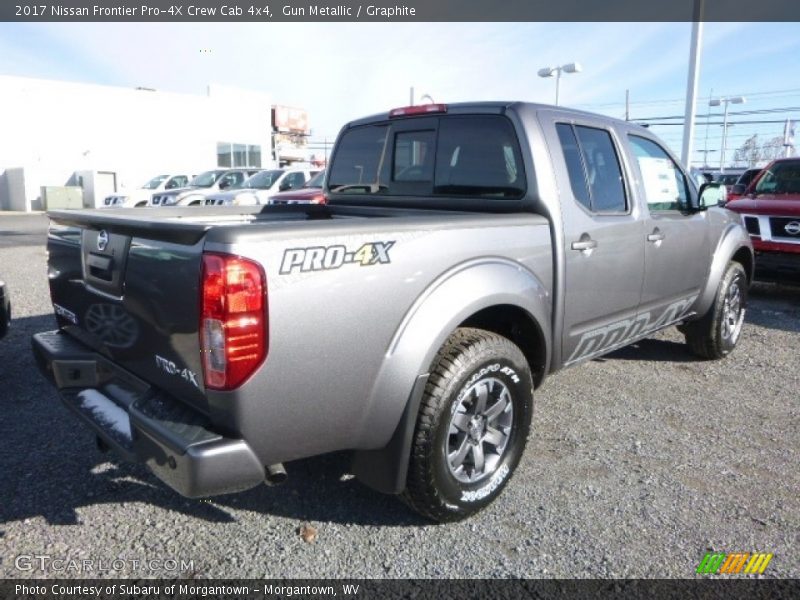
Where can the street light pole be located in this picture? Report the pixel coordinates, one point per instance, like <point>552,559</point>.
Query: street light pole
<point>724,140</point>
<point>558,83</point>
<point>550,71</point>
<point>725,101</point>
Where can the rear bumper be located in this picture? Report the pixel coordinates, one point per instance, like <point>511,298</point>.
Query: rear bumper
<point>176,442</point>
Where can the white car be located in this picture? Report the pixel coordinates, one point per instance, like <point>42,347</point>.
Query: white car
<point>196,191</point>
<point>258,188</point>
<point>141,196</point>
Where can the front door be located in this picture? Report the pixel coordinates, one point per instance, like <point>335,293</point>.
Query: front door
<point>677,245</point>
<point>604,241</point>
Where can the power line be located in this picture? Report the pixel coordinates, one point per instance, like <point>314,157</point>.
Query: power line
<point>730,123</point>
<point>682,100</point>
<point>764,111</point>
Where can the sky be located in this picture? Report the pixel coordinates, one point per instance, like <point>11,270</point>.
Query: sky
<point>341,71</point>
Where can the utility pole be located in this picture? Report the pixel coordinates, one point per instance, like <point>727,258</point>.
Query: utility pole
<point>691,84</point>
<point>788,138</point>
<point>708,116</point>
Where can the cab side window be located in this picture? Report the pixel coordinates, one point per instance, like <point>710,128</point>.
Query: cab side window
<point>176,182</point>
<point>232,179</point>
<point>572,156</point>
<point>665,186</point>
<point>295,180</point>
<point>594,169</point>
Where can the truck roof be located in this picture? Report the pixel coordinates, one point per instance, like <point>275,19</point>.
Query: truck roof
<point>494,107</point>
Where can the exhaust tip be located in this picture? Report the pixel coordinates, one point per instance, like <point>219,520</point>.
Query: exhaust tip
<point>276,474</point>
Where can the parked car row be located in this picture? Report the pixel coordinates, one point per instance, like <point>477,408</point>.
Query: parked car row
<point>141,196</point>
<point>309,193</point>
<point>259,188</point>
<point>199,187</point>
<point>217,187</point>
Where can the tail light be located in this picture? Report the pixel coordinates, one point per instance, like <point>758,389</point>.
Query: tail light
<point>233,320</point>
<point>318,199</point>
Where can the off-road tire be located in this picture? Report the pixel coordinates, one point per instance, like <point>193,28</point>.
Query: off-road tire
<point>711,336</point>
<point>470,364</point>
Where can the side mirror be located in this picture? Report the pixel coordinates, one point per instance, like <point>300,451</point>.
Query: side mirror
<point>712,194</point>
<point>738,189</point>
<point>224,184</point>
<point>284,186</point>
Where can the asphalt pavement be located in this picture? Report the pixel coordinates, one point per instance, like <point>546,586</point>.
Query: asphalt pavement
<point>639,463</point>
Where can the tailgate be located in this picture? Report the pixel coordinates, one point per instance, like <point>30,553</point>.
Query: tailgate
<point>129,289</point>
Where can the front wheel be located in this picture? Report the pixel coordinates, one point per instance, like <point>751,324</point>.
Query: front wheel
<point>715,335</point>
<point>472,426</point>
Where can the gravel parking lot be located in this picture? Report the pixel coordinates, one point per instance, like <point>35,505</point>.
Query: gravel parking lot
<point>639,464</point>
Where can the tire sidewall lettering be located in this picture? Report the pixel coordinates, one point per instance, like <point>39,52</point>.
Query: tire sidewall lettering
<point>484,491</point>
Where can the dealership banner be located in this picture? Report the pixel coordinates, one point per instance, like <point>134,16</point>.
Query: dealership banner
<point>461,589</point>
<point>399,10</point>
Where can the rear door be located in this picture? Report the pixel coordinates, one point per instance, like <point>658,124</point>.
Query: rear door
<point>604,241</point>
<point>677,244</point>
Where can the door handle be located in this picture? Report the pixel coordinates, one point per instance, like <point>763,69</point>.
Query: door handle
<point>656,236</point>
<point>584,244</point>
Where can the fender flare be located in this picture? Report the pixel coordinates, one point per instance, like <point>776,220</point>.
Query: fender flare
<point>734,241</point>
<point>391,413</point>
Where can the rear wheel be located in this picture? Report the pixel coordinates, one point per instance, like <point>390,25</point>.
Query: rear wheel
<point>715,335</point>
<point>472,426</point>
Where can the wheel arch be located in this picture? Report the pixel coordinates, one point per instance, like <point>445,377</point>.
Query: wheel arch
<point>744,256</point>
<point>492,294</point>
<point>516,324</point>
<point>734,245</point>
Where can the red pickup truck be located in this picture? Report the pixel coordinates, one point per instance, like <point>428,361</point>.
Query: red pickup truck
<point>770,209</point>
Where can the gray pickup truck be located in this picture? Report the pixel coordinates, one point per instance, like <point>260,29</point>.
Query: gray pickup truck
<point>466,251</point>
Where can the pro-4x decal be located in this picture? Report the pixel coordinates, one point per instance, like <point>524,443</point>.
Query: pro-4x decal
<point>321,258</point>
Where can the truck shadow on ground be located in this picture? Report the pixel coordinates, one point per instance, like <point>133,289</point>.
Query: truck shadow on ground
<point>52,467</point>
<point>653,350</point>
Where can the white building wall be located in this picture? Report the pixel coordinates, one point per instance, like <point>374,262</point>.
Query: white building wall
<point>53,129</point>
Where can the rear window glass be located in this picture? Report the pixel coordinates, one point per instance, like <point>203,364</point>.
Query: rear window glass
<point>478,156</point>
<point>448,156</point>
<point>359,158</point>
<point>413,156</point>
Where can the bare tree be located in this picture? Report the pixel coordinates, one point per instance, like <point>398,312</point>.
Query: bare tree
<point>773,149</point>
<point>749,152</point>
<point>752,153</point>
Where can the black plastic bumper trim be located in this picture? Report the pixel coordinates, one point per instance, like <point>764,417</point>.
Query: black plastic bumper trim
<point>173,440</point>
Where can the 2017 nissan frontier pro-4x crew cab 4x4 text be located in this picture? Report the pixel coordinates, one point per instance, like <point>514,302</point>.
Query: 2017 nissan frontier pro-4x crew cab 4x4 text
<point>466,252</point>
